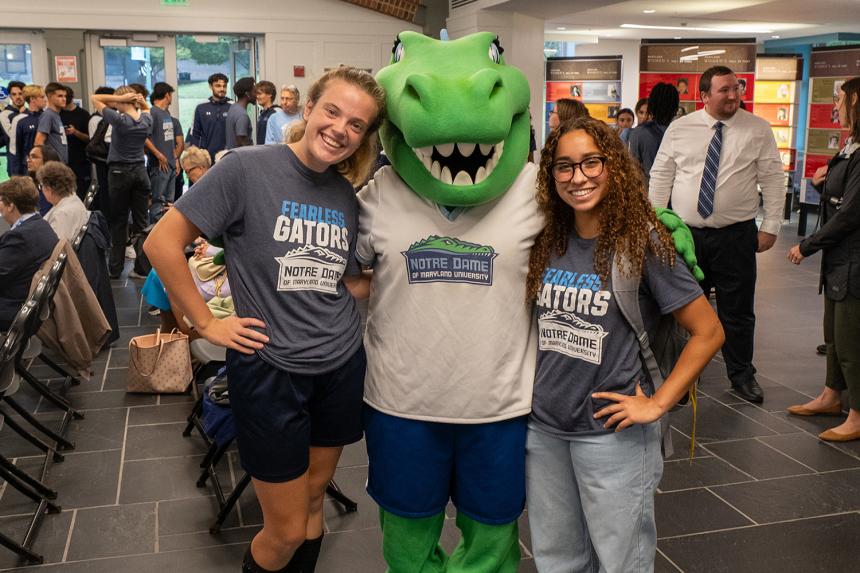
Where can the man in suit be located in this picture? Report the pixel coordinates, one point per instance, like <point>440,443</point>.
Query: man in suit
<point>28,243</point>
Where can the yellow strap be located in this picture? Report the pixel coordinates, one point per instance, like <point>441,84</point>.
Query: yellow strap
<point>693,403</point>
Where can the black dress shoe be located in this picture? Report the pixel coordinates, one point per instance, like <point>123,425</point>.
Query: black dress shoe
<point>749,391</point>
<point>821,349</point>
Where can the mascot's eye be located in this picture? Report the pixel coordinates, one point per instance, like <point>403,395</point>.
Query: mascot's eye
<point>397,51</point>
<point>496,51</point>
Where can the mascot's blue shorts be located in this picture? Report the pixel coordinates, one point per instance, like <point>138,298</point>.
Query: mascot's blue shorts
<point>416,466</point>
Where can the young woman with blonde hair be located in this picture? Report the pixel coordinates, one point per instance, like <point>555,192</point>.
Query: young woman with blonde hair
<point>288,216</point>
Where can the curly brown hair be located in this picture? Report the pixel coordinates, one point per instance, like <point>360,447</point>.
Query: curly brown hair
<point>626,215</point>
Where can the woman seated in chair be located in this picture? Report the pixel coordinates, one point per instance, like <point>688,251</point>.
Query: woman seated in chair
<point>23,248</point>
<point>68,214</point>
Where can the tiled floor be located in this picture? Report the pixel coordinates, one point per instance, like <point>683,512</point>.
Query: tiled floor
<point>763,494</point>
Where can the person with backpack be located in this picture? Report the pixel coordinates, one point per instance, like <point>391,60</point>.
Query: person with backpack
<point>644,139</point>
<point>593,446</point>
<point>97,152</point>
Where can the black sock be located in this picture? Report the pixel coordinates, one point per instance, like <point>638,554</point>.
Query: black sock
<point>305,558</point>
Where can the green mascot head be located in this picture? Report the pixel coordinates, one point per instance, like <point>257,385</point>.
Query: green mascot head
<point>458,123</point>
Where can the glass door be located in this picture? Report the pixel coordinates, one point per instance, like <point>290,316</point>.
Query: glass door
<point>23,58</point>
<point>199,56</point>
<point>140,58</point>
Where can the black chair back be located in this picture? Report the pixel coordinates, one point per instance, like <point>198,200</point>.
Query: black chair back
<point>15,339</point>
<point>91,194</point>
<point>55,274</point>
<point>76,243</point>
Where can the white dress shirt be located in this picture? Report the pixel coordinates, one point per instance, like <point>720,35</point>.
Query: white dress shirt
<point>748,157</point>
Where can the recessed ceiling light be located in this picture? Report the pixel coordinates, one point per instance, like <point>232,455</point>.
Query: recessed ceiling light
<point>677,37</point>
<point>723,30</point>
<point>648,11</point>
<point>775,37</point>
<point>561,28</point>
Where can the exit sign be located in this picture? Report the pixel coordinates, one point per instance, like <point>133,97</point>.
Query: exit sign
<point>175,2</point>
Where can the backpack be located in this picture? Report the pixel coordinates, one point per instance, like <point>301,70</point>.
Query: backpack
<point>97,148</point>
<point>142,266</point>
<point>658,352</point>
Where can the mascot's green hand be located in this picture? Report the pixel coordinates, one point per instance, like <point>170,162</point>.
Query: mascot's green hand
<point>683,239</point>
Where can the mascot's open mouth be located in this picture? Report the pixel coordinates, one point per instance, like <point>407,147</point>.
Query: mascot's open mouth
<point>460,163</point>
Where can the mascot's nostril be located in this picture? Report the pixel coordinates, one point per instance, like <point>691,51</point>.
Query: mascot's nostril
<point>487,83</point>
<point>412,92</point>
<point>419,87</point>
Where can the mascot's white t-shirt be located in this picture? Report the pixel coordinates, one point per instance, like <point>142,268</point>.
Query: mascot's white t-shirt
<point>449,334</point>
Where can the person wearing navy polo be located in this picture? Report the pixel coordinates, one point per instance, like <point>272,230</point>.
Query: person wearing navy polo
<point>265,92</point>
<point>209,129</point>
<point>25,125</point>
<point>13,108</point>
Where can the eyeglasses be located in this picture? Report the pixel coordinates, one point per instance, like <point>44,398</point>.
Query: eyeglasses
<point>592,167</point>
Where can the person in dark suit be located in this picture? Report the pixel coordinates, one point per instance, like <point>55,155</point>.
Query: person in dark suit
<point>23,248</point>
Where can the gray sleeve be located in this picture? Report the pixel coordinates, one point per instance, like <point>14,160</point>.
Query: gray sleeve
<point>243,125</point>
<point>217,200</point>
<point>670,287</point>
<point>111,116</point>
<point>45,124</point>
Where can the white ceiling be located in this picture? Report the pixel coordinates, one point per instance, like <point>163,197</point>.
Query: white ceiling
<point>762,19</point>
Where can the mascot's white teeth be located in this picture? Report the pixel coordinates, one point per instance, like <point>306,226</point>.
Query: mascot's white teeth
<point>460,163</point>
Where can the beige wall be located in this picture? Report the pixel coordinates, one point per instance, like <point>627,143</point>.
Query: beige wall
<point>312,33</point>
<point>629,51</point>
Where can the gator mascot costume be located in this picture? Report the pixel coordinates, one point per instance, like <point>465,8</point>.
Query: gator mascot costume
<point>447,229</point>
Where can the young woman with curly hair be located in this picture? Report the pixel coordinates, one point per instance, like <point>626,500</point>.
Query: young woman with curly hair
<point>593,447</point>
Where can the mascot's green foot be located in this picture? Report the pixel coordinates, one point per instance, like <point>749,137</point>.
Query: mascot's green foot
<point>683,239</point>
<point>411,545</point>
<point>485,548</point>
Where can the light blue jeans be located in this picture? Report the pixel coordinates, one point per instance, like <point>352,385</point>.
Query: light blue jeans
<point>591,500</point>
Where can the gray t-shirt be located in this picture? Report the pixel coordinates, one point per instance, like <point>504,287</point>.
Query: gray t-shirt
<point>127,136</point>
<point>52,126</point>
<point>162,135</point>
<point>238,123</point>
<point>584,343</point>
<point>289,235</point>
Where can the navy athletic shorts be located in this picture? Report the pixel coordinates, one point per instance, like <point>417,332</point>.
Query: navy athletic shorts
<point>280,415</point>
<point>416,466</point>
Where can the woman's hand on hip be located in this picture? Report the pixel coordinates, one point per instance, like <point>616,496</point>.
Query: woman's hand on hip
<point>628,410</point>
<point>235,333</point>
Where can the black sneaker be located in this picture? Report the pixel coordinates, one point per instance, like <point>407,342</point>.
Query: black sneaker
<point>821,349</point>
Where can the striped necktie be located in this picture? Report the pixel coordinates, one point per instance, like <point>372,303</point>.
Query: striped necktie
<point>709,176</point>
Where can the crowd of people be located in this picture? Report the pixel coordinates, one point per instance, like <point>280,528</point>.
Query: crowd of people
<point>134,156</point>
<point>296,358</point>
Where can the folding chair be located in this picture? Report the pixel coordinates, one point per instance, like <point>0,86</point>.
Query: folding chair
<point>217,448</point>
<point>43,296</point>
<point>14,476</point>
<point>9,383</point>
